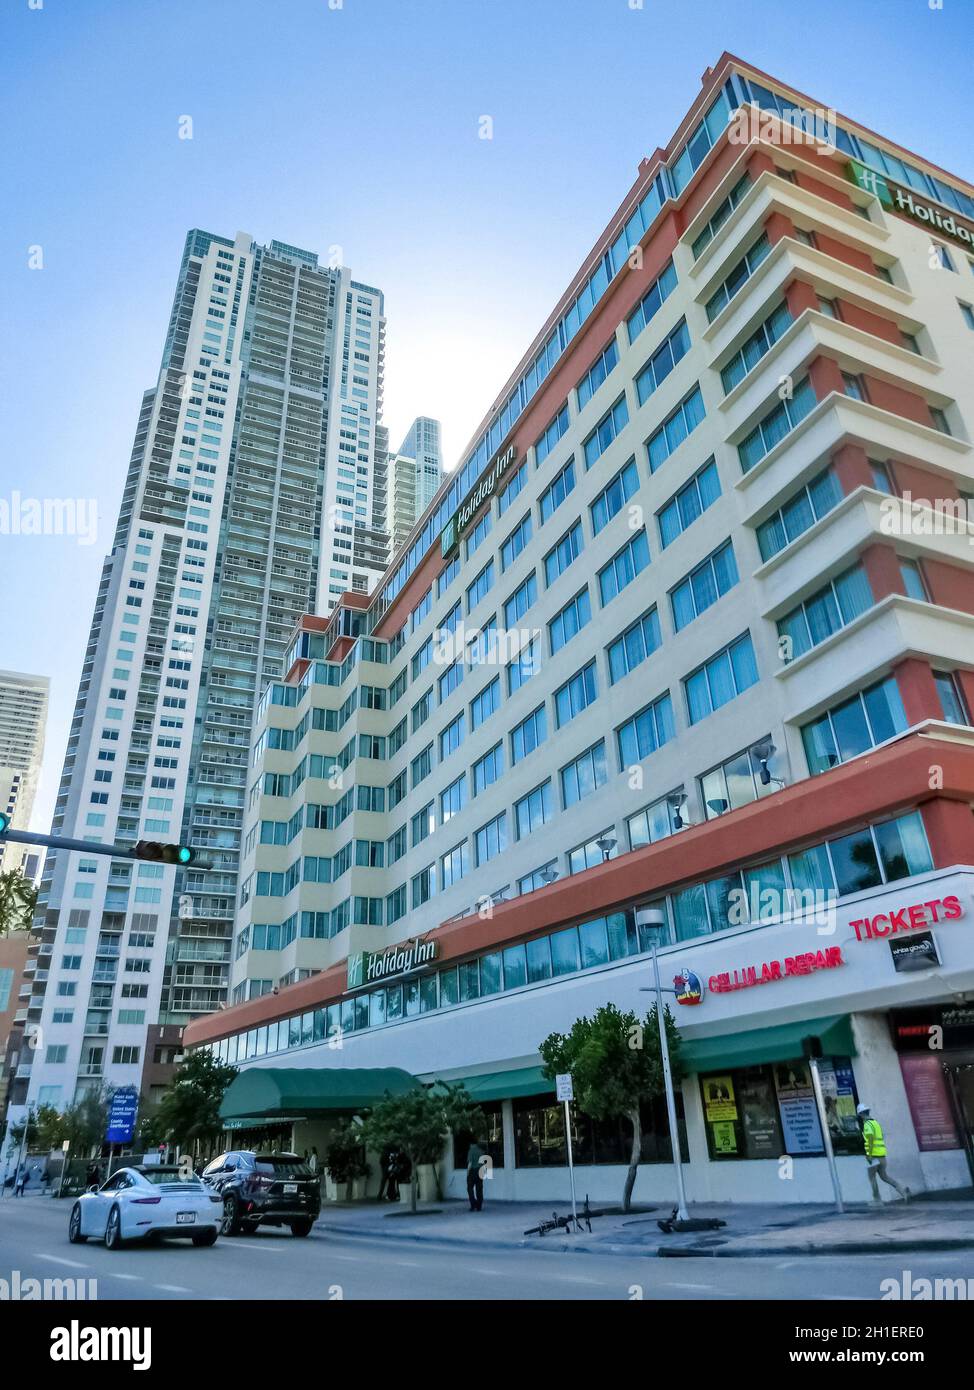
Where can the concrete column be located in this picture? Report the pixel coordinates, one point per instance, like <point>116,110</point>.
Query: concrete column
<point>879,1083</point>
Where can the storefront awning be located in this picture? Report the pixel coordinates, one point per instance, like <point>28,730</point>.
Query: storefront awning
<point>780,1044</point>
<point>507,1085</point>
<point>303,1092</point>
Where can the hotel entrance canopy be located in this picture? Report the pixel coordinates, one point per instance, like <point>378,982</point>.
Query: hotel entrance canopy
<point>304,1092</point>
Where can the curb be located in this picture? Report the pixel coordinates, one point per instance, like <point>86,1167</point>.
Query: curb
<point>686,1252</point>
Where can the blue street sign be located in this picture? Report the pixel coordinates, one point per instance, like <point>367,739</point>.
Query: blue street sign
<point>121,1116</point>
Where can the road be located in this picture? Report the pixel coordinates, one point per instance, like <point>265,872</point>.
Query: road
<point>271,1265</point>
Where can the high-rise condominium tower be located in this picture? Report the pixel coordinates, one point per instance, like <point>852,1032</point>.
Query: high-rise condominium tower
<point>23,716</point>
<point>250,495</point>
<point>417,471</point>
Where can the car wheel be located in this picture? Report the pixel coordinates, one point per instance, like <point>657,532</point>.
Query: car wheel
<point>301,1228</point>
<point>205,1237</point>
<point>230,1225</point>
<point>113,1231</point>
<point>74,1226</point>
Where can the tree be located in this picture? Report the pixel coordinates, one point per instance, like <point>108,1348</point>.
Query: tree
<point>615,1064</point>
<point>418,1123</point>
<point>84,1123</point>
<point>190,1106</point>
<point>18,899</point>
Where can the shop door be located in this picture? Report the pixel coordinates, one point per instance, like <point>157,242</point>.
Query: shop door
<point>960,1082</point>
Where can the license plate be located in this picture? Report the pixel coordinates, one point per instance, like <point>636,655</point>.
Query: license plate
<point>290,1187</point>
<point>185,1218</point>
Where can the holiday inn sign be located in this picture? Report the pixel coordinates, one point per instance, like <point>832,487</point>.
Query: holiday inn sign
<point>898,199</point>
<point>371,967</point>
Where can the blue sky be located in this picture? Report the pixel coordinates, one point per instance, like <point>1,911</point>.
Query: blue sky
<point>355,126</point>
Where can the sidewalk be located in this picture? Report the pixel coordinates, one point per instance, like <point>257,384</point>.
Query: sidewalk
<point>926,1223</point>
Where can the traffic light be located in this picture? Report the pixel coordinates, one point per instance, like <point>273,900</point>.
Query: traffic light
<point>164,854</point>
<point>4,822</point>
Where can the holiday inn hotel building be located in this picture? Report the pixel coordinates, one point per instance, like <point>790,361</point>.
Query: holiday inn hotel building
<point>688,639</point>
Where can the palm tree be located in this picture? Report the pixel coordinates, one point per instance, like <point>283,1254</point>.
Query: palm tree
<point>18,899</point>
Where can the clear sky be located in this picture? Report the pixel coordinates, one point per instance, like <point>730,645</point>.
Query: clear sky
<point>353,124</point>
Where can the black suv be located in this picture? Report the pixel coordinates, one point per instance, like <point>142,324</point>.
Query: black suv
<point>264,1190</point>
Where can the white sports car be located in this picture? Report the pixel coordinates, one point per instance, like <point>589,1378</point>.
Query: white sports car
<point>146,1201</point>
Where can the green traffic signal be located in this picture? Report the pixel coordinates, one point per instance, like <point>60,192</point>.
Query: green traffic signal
<point>163,854</point>
<point>4,822</point>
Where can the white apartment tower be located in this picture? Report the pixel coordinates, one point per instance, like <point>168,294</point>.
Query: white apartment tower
<point>249,486</point>
<point>23,717</point>
<point>417,471</point>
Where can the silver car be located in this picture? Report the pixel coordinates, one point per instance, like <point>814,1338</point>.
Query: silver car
<point>136,1203</point>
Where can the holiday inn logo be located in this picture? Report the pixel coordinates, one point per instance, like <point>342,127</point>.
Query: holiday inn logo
<point>902,200</point>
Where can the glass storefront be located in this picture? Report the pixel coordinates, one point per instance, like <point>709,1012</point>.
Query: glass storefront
<point>769,1111</point>
<point>539,1134</point>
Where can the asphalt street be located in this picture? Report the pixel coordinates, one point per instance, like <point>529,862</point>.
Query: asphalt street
<point>272,1265</point>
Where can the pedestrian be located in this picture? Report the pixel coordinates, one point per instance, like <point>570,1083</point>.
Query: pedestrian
<point>384,1171</point>
<point>874,1142</point>
<point>313,1160</point>
<point>21,1182</point>
<point>46,1177</point>
<point>475,1177</point>
<point>91,1175</point>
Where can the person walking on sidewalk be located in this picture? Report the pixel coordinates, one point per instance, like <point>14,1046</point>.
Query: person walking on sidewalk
<point>874,1142</point>
<point>20,1182</point>
<point>475,1181</point>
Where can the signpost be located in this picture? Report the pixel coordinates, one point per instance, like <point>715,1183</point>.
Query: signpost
<point>65,1149</point>
<point>565,1091</point>
<point>121,1116</point>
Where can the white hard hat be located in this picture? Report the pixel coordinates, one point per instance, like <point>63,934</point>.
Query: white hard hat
<point>862,1109</point>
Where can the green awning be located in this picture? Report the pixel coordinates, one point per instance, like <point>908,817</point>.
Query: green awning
<point>506,1085</point>
<point>302,1092</point>
<point>779,1044</point>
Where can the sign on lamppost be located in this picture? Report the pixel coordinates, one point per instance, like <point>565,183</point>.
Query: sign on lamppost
<point>565,1091</point>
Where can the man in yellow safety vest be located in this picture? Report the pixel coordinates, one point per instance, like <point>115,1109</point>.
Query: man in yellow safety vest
<point>874,1142</point>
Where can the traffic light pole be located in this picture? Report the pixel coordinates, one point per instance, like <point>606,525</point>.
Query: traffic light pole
<point>30,837</point>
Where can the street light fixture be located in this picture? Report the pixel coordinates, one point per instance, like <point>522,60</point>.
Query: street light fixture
<point>606,844</point>
<point>676,800</point>
<point>548,874</point>
<point>654,920</point>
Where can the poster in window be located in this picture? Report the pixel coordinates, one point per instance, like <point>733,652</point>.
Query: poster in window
<point>839,1095</point>
<point>724,1137</point>
<point>796,1105</point>
<point>759,1114</point>
<point>718,1095</point>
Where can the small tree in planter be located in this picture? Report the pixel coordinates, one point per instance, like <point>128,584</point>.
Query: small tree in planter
<point>344,1157</point>
<point>418,1124</point>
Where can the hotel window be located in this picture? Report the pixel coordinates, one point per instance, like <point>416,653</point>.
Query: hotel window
<point>704,136</point>
<point>421,766</point>
<point>750,1111</point>
<point>951,697</point>
<point>854,386</point>
<point>659,291</point>
<point>675,428</point>
<point>614,497</point>
<point>568,549</point>
<point>485,704</point>
<point>942,256</point>
<point>528,735</point>
<point>453,799</point>
<point>605,431</point>
<point>422,710</point>
<point>778,422</point>
<point>422,658</point>
<point>757,346</point>
<point>557,491</point>
<point>591,853</point>
<point>735,783</point>
<point>703,586</point>
<point>636,644</point>
<point>396,844</point>
<point>488,769</point>
<point>551,436</point>
<point>526,664</point>
<point>585,775</point>
<point>685,506</point>
<point>808,505</point>
<point>939,418</point>
<point>830,308</point>
<point>738,277</point>
<point>869,717</point>
<point>597,373</point>
<point>882,853</point>
<point>664,359</point>
<point>533,810</point>
<point>480,587</point>
<point>623,568</point>
<point>446,576</point>
<point>480,533</point>
<point>913,580</point>
<point>450,623</point>
<point>520,601</point>
<point>516,542</point>
<point>491,839</point>
<point>841,601</point>
<point>704,238</point>
<point>576,695</point>
<point>570,621</point>
<point>652,824</point>
<point>530,883</point>
<point>721,679</point>
<point>645,732</point>
<point>514,487</point>
<point>454,864</point>
<point>882,480</point>
<point>424,886</point>
<point>967,312</point>
<point>450,679</point>
<point>451,737</point>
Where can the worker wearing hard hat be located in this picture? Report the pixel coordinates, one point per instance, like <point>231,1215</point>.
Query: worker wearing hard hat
<point>874,1142</point>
